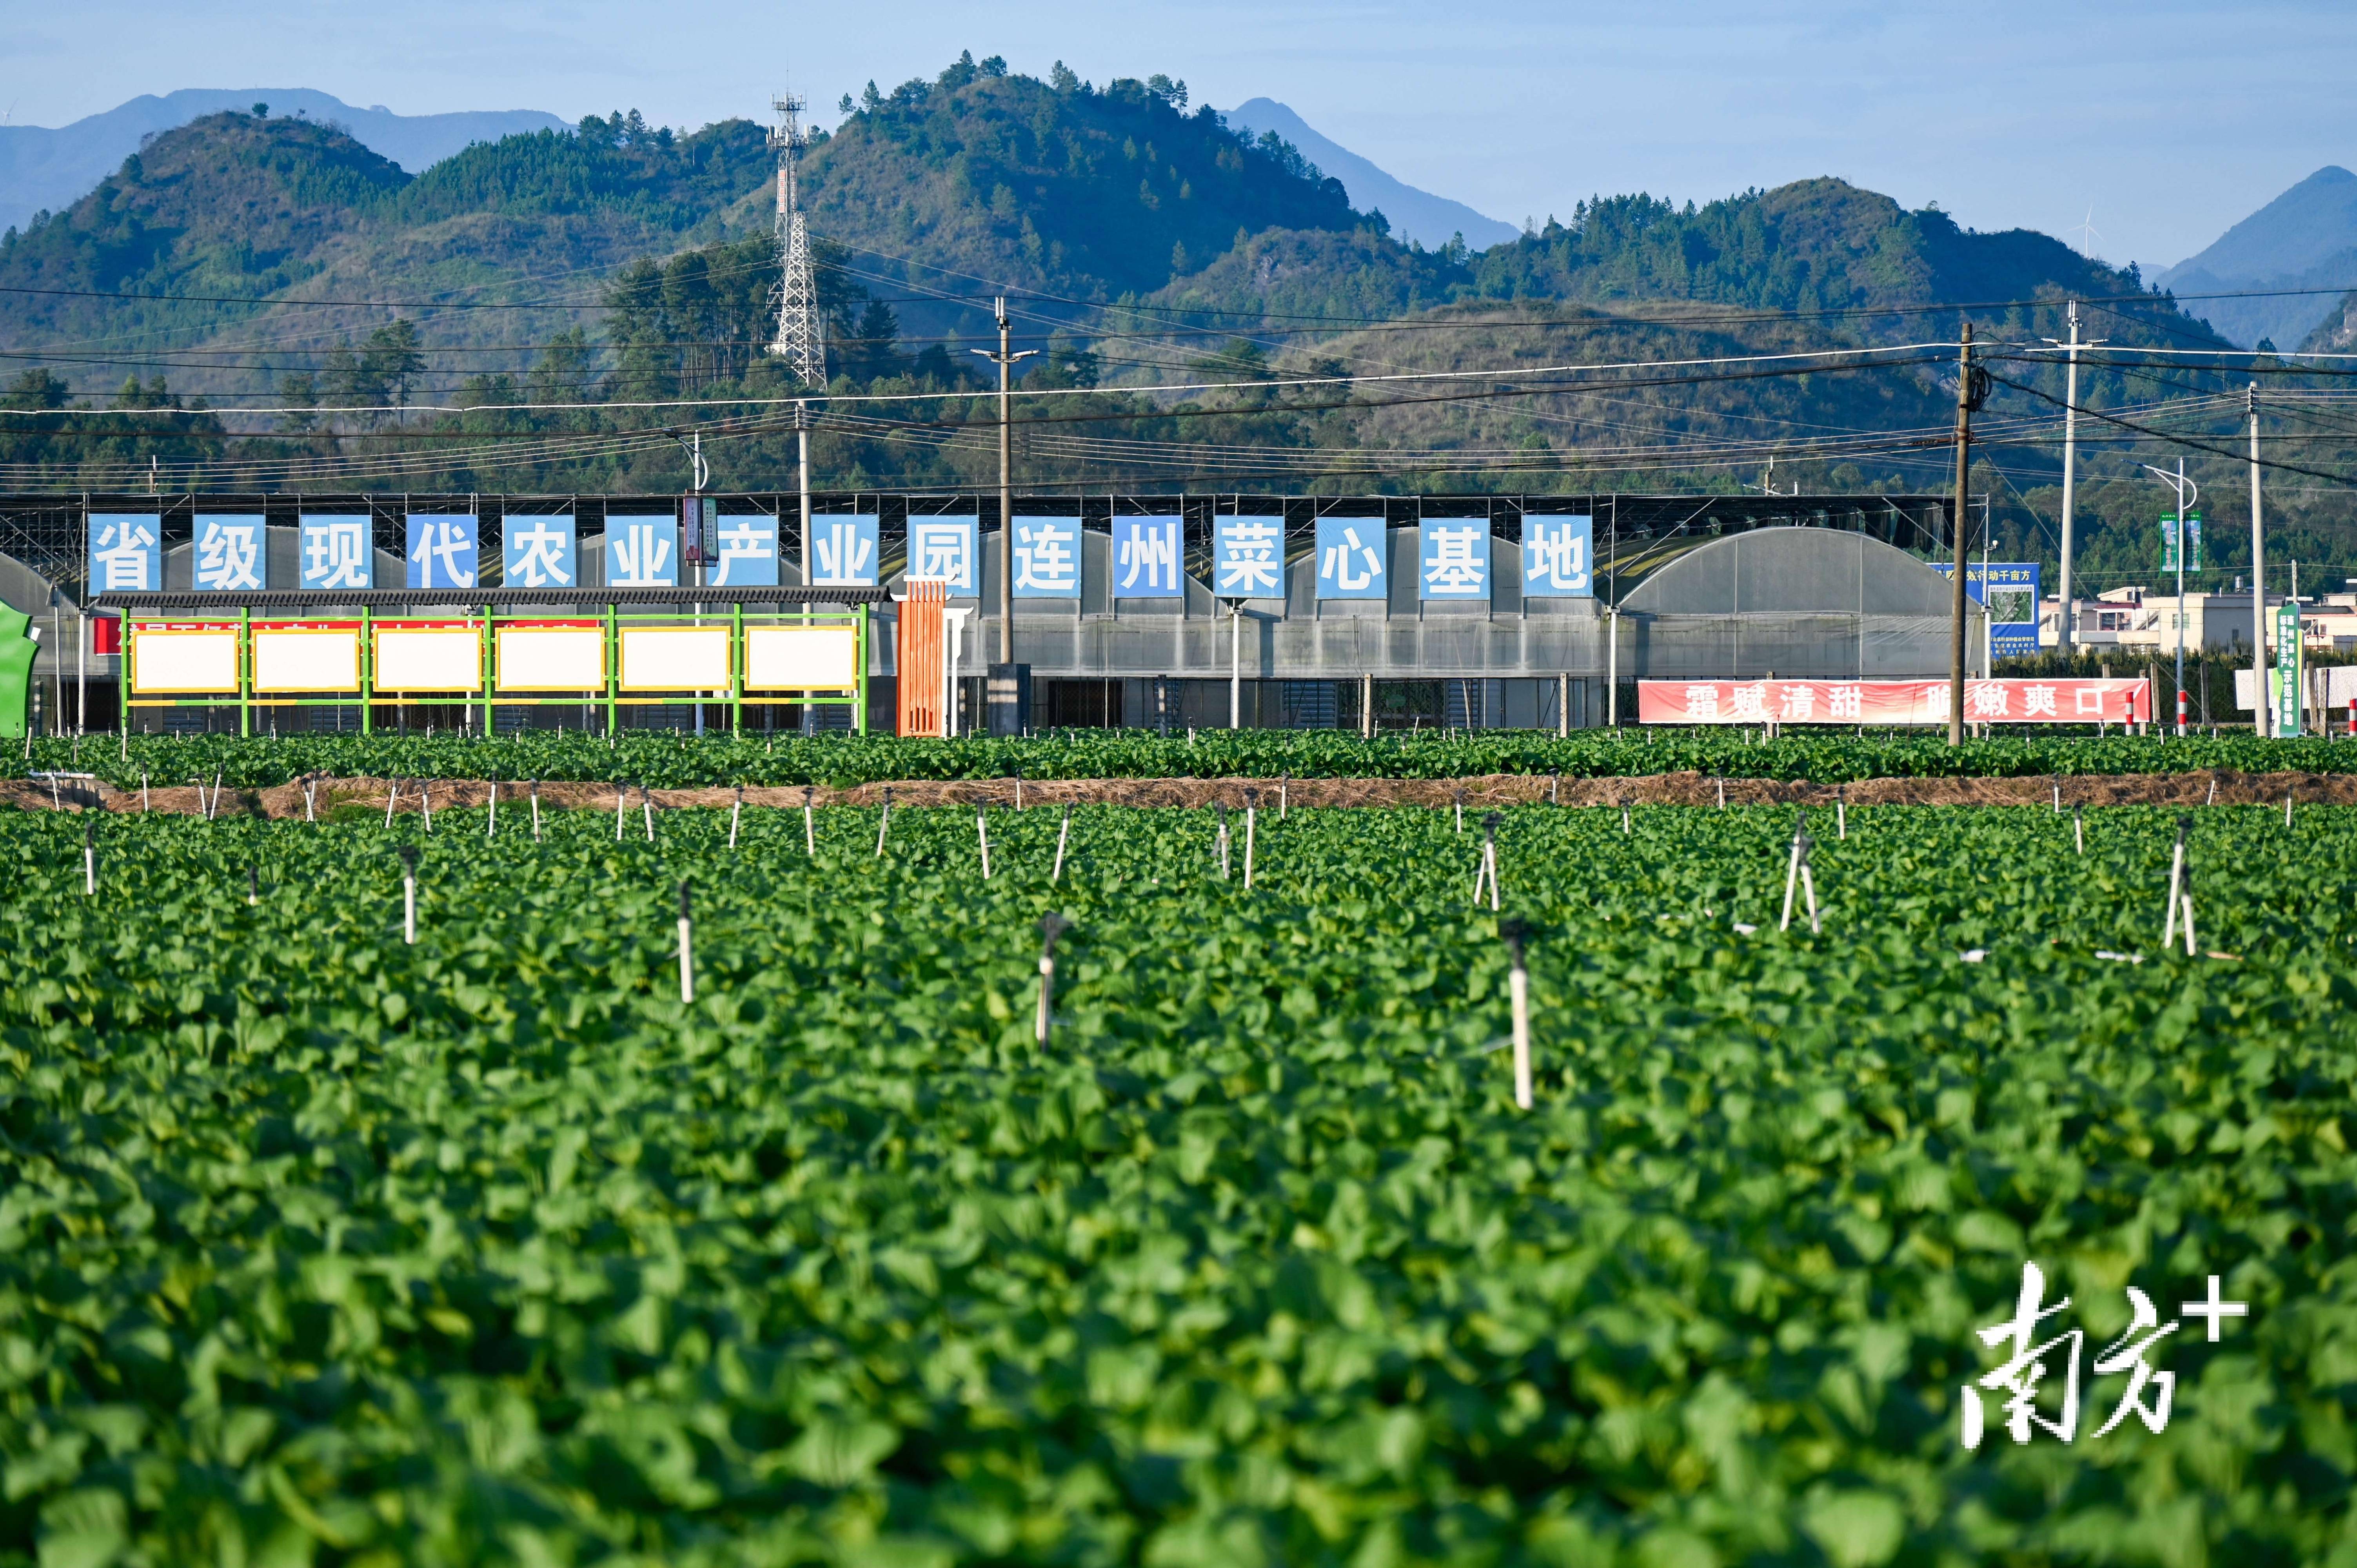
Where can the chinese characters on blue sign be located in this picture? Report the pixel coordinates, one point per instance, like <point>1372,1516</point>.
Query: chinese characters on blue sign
<point>945,549</point>
<point>1248,557</point>
<point>1350,558</point>
<point>1148,557</point>
<point>847,548</point>
<point>1046,557</point>
<point>126,552</point>
<point>336,552</point>
<point>230,555</point>
<point>538,552</point>
<point>1452,559</point>
<point>442,550</point>
<point>1558,557</point>
<point>742,548</point>
<point>2009,590</point>
<point>642,552</point>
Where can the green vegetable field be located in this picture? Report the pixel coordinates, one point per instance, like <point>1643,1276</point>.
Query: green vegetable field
<point>318,1247</point>
<point>668,761</point>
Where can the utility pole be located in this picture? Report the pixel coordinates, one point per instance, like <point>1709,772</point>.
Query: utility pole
<point>1969,396</point>
<point>2067,635</point>
<point>1004,360</point>
<point>2263,718</point>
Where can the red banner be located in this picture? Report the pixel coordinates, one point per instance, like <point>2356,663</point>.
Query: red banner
<point>2005,701</point>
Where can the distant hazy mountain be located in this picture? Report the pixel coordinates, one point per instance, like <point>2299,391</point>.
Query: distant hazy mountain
<point>2304,239</point>
<point>40,167</point>
<point>1415,214</point>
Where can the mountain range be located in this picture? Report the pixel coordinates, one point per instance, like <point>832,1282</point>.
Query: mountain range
<point>44,168</point>
<point>1418,215</point>
<point>2294,258</point>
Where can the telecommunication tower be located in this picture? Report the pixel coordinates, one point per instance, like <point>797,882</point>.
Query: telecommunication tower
<point>802,338</point>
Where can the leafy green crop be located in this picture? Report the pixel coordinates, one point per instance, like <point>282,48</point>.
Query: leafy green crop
<point>318,1247</point>
<point>676,761</point>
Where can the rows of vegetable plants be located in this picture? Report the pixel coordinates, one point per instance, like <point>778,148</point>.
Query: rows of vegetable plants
<point>673,760</point>
<point>318,1245</point>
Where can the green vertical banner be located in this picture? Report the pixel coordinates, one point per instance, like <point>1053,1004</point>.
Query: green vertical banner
<point>2284,680</point>
<point>2192,544</point>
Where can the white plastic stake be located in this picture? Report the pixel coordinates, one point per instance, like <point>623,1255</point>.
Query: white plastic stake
<point>735,811</point>
<point>1722,794</point>
<point>216,783</point>
<point>2287,808</point>
<point>883,823</point>
<point>810,827</point>
<point>409,896</point>
<point>310,800</point>
<point>1063,835</point>
<point>1841,814</point>
<point>1049,929</point>
<point>392,794</point>
<point>2175,885</point>
<point>143,791</point>
<point>647,805</point>
<point>1518,990</point>
<point>686,961</point>
<point>89,862</point>
<point>2188,897</point>
<point>1018,789</point>
<point>2079,828</point>
<point>424,803</point>
<point>622,796</point>
<point>1490,856</point>
<point>253,888</point>
<point>1461,811</point>
<point>1809,888</point>
<point>1252,813</point>
<point>535,810</point>
<point>492,823</point>
<point>2058,794</point>
<point>1223,845</point>
<point>982,837</point>
<point>1284,793</point>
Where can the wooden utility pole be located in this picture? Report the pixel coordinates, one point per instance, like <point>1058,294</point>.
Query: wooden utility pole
<point>1964,401</point>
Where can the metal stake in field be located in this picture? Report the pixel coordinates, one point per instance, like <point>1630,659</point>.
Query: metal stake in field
<point>1841,812</point>
<point>1518,989</point>
<point>2079,827</point>
<point>1722,793</point>
<point>2176,882</point>
<point>2287,808</point>
<point>1284,789</point>
<point>810,827</point>
<point>1223,845</point>
<point>1554,788</point>
<point>1018,789</point>
<point>735,811</point>
<point>883,823</point>
<point>1063,835</point>
<point>686,949</point>
<point>89,862</point>
<point>535,810</point>
<point>217,784</point>
<point>1797,877</point>
<point>1461,811</point>
<point>647,805</point>
<point>409,895</point>
<point>1252,813</point>
<point>392,795</point>
<point>143,791</point>
<point>492,823</point>
<point>621,799</point>
<point>1050,929</point>
<point>982,837</point>
<point>1488,870</point>
<point>1627,826</point>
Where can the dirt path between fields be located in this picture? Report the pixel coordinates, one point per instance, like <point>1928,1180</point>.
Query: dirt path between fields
<point>284,801</point>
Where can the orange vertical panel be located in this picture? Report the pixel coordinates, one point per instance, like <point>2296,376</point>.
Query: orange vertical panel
<point>922,653</point>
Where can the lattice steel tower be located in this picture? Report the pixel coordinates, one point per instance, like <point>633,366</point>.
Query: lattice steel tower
<point>802,334</point>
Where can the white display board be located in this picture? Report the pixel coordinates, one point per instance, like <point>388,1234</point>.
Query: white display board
<point>674,659</point>
<point>428,659</point>
<point>309,660</point>
<point>801,658</point>
<point>551,659</point>
<point>196,663</point>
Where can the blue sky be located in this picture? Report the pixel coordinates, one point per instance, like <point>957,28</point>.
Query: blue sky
<point>2169,120</point>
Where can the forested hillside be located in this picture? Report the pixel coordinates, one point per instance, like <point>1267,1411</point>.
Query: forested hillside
<point>541,282</point>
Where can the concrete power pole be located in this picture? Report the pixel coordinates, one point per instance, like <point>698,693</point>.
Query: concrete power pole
<point>2069,631</point>
<point>1008,677</point>
<point>1968,397</point>
<point>2263,714</point>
